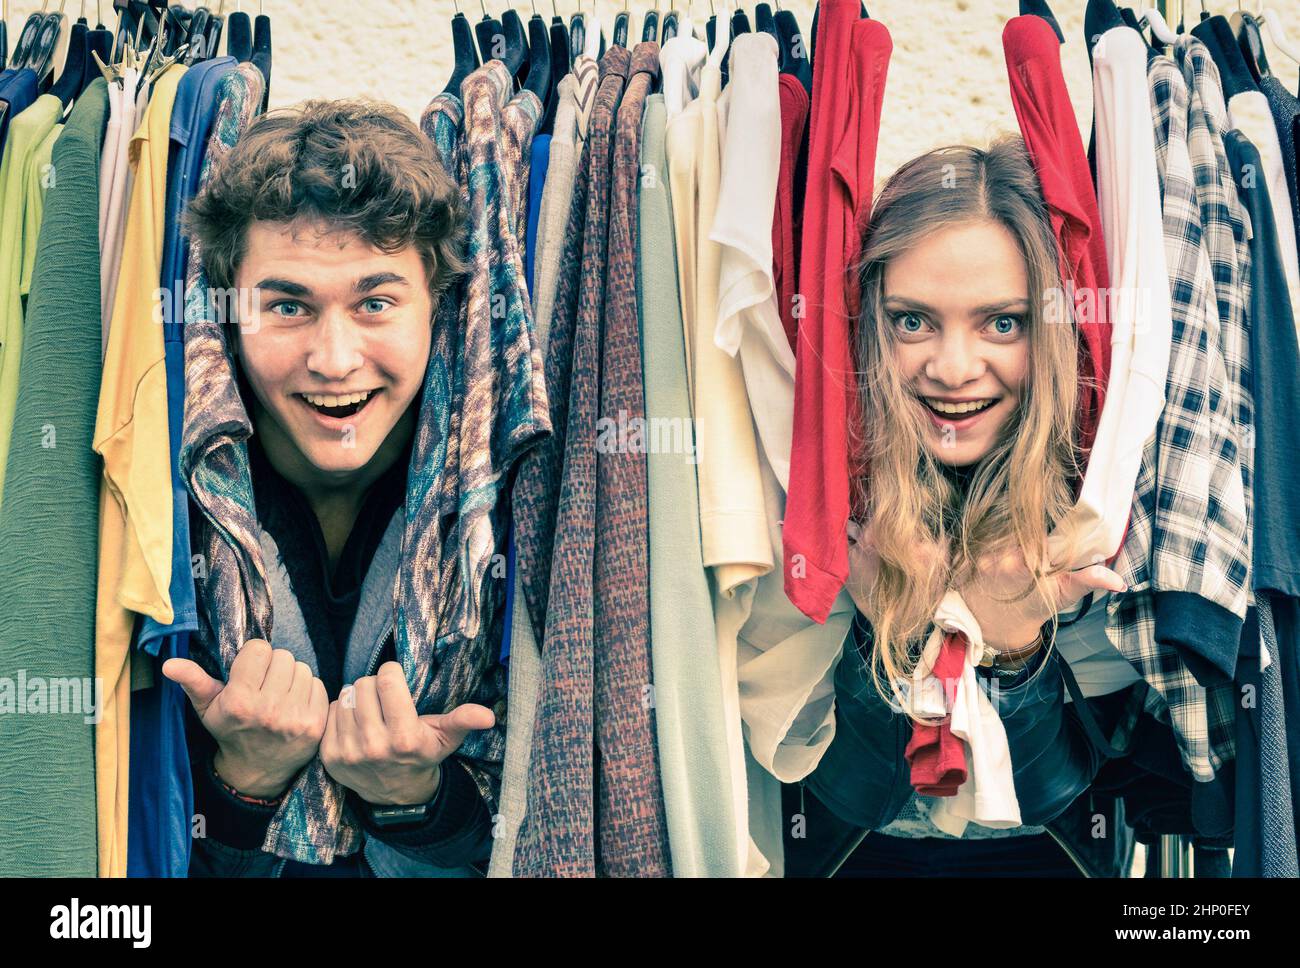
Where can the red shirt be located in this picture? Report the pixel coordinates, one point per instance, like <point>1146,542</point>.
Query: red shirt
<point>1051,132</point>
<point>848,87</point>
<point>937,757</point>
<point>786,223</point>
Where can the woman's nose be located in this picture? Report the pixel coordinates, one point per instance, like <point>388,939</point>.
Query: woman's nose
<point>955,362</point>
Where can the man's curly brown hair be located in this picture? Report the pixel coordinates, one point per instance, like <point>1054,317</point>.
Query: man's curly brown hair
<point>353,165</point>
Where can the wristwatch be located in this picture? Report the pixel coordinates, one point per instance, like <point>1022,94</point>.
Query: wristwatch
<point>390,815</point>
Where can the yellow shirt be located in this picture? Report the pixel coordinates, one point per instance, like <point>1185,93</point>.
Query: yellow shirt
<point>135,523</point>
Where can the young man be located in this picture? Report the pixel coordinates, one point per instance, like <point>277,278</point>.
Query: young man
<point>339,230</point>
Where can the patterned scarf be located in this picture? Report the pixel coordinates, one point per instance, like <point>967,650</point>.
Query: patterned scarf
<point>483,405</point>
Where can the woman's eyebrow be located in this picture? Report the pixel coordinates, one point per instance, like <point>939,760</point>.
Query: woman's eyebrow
<point>369,283</point>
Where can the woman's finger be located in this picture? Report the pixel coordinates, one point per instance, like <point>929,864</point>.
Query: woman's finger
<point>1093,578</point>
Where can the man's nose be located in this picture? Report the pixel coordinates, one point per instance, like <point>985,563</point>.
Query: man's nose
<point>336,349</point>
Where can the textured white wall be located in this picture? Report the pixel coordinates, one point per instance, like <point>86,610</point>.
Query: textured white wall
<point>947,79</point>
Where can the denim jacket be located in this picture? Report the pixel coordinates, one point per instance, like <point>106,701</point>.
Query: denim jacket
<point>864,781</point>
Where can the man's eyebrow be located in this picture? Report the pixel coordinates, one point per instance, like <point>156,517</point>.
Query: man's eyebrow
<point>370,283</point>
<point>285,286</point>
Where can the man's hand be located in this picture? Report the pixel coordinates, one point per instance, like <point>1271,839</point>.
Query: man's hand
<point>267,719</point>
<point>377,745</point>
<point>1008,626</point>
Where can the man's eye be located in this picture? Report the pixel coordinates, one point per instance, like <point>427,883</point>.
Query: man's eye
<point>375,306</point>
<point>1007,325</point>
<point>290,310</point>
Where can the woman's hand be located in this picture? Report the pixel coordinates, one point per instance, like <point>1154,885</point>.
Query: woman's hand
<point>1009,626</point>
<point>864,562</point>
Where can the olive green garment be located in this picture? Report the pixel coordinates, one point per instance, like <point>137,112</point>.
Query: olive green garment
<point>20,214</point>
<point>49,522</point>
<point>693,757</point>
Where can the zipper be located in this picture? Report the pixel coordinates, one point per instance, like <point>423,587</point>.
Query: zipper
<point>373,665</point>
<point>1069,852</point>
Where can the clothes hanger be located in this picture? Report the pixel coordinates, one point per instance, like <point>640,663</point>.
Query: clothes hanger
<point>178,33</point>
<point>650,26</point>
<point>491,36</point>
<point>517,56</point>
<point>1272,23</point>
<point>1215,33</point>
<point>27,36</point>
<point>466,58</point>
<point>561,54</point>
<point>578,32</point>
<point>561,61</point>
<point>538,79</point>
<point>42,59</point>
<point>70,84</point>
<point>1151,17</point>
<point>739,23</point>
<point>594,46</point>
<point>1251,42</point>
<point>621,20</point>
<point>212,36</point>
<point>794,52</point>
<point>668,29</point>
<point>1039,8</point>
<point>197,38</point>
<point>239,36</point>
<point>262,51</point>
<point>1099,16</point>
<point>101,43</point>
<point>1131,19</point>
<point>4,33</point>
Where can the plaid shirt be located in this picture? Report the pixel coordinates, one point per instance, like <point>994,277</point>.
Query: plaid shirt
<point>1189,529</point>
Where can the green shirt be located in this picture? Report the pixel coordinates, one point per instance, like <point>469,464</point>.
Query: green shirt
<point>20,219</point>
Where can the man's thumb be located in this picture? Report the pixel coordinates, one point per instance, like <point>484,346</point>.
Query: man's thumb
<point>198,685</point>
<point>461,721</point>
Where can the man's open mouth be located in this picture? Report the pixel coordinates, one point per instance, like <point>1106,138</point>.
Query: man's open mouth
<point>339,405</point>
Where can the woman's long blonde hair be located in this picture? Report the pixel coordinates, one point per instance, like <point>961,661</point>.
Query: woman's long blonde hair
<point>1023,487</point>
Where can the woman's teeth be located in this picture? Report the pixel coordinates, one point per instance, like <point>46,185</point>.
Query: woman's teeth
<point>330,400</point>
<point>958,409</point>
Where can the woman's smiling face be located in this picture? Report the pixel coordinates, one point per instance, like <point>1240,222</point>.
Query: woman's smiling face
<point>958,305</point>
<point>339,345</point>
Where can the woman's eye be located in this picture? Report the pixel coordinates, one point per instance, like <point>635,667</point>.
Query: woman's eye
<point>909,322</point>
<point>1006,325</point>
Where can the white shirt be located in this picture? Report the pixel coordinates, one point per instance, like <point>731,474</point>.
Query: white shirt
<point>748,321</point>
<point>1128,195</point>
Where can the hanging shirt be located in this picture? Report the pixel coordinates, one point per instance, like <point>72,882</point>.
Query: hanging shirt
<point>48,523</point>
<point>787,220</point>
<point>17,92</point>
<point>749,322</point>
<point>848,90</point>
<point>161,790</point>
<point>22,199</point>
<point>126,107</point>
<point>1249,113</point>
<point>1129,203</point>
<point>1051,133</point>
<point>132,435</point>
<point>698,799</point>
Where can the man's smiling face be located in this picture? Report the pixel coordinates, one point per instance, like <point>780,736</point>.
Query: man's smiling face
<point>337,346</point>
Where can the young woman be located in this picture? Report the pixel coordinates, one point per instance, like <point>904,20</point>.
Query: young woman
<point>339,228</point>
<point>968,383</point>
